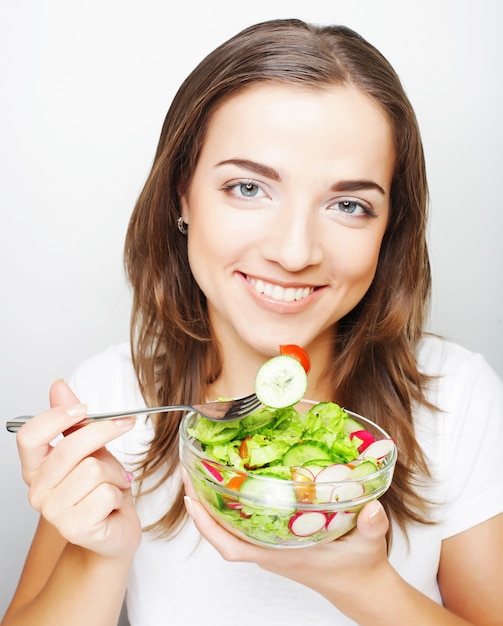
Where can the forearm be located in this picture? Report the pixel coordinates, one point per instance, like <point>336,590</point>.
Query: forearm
<point>84,588</point>
<point>385,599</point>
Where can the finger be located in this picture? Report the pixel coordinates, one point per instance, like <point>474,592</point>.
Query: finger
<point>82,443</point>
<point>92,471</point>
<point>88,519</point>
<point>35,437</point>
<point>60,394</point>
<point>230,547</point>
<point>372,521</point>
<point>43,428</point>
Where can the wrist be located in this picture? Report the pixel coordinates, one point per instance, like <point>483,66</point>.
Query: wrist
<point>380,584</point>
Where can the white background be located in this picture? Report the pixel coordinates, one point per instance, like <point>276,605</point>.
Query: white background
<point>84,87</point>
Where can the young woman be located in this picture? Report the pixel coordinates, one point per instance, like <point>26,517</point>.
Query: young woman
<point>286,204</point>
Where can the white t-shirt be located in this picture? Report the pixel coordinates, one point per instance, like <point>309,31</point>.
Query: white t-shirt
<point>184,581</point>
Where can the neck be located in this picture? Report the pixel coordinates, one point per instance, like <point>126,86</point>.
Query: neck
<point>240,365</point>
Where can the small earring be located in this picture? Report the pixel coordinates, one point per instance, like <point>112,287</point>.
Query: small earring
<point>182,226</point>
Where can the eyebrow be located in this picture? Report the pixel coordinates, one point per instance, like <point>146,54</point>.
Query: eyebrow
<point>253,166</point>
<point>357,185</point>
<point>265,170</point>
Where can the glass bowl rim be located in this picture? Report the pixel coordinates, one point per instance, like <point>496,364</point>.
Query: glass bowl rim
<point>391,457</point>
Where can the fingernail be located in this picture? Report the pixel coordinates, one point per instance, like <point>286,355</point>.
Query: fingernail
<point>129,477</point>
<point>183,472</point>
<point>76,410</point>
<point>375,514</point>
<point>189,506</point>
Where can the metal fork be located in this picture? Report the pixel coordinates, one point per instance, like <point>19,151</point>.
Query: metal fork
<point>218,411</point>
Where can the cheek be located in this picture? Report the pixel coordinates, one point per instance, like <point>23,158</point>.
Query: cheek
<point>356,260</point>
<point>209,248</point>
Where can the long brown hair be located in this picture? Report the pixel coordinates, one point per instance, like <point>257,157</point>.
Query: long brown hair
<point>374,367</point>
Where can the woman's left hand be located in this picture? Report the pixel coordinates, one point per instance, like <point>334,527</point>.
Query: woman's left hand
<point>333,569</point>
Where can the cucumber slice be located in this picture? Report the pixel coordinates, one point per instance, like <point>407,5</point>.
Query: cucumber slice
<point>267,493</point>
<point>303,453</point>
<point>281,382</point>
<point>365,468</point>
<point>350,425</point>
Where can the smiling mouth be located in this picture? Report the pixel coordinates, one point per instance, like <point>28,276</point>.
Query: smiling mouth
<point>277,292</point>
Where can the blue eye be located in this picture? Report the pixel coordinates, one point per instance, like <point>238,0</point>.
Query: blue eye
<point>349,206</point>
<point>245,190</point>
<point>354,208</point>
<point>250,190</point>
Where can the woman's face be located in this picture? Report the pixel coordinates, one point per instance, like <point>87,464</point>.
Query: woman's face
<point>286,210</point>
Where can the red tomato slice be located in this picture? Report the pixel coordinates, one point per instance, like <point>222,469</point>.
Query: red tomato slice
<point>298,353</point>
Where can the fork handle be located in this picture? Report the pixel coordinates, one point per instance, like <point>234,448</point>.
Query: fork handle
<point>15,424</point>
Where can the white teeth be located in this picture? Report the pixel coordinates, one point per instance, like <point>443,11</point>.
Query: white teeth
<point>290,294</point>
<point>278,293</point>
<point>259,285</point>
<point>281,294</point>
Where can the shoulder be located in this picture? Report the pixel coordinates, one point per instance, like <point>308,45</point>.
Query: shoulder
<point>118,354</point>
<point>461,439</point>
<point>456,371</point>
<point>436,355</point>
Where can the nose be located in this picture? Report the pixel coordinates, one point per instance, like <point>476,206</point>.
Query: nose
<point>294,239</point>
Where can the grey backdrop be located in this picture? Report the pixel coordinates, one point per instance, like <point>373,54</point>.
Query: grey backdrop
<point>84,89</point>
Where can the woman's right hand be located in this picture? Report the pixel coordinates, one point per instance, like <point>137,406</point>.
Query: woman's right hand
<point>77,485</point>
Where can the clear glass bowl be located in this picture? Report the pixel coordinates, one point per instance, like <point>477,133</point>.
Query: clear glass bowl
<point>279,513</point>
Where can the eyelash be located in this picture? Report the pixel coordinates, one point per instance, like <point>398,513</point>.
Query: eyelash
<point>367,210</point>
<point>232,186</point>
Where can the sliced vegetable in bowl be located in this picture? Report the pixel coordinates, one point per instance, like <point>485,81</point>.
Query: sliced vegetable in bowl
<point>288,478</point>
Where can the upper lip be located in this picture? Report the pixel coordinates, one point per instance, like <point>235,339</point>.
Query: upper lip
<point>287,293</point>
<point>280,283</point>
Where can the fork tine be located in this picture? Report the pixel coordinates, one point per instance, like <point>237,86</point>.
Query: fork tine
<point>243,407</point>
<point>251,405</point>
<point>245,402</point>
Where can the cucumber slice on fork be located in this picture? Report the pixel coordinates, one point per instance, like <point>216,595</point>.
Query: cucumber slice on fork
<point>281,382</point>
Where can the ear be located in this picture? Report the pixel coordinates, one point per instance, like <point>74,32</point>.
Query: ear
<point>184,207</point>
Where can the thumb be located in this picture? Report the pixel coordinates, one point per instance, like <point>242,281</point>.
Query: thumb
<point>372,521</point>
<point>60,394</point>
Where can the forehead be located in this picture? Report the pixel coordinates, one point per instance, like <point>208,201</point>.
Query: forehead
<point>318,106</point>
<point>277,124</point>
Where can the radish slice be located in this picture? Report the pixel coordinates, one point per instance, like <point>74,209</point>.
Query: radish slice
<point>341,522</point>
<point>301,474</point>
<point>307,523</point>
<point>379,449</point>
<point>232,504</point>
<point>314,468</point>
<point>365,437</point>
<point>333,473</point>
<point>212,471</point>
<point>325,479</point>
<point>347,491</point>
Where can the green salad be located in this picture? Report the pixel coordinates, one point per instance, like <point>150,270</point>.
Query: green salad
<point>324,456</point>
<point>280,437</point>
